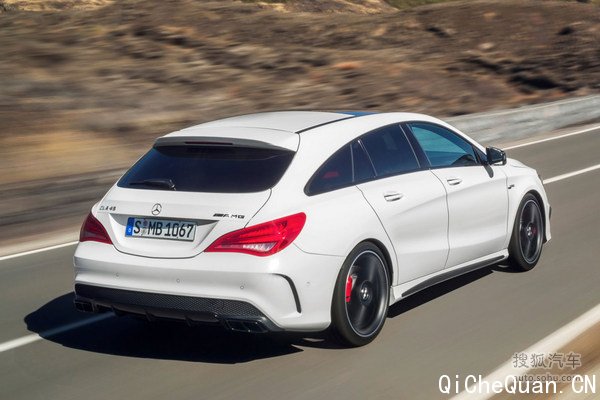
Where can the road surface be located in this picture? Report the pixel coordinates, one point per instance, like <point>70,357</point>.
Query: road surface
<point>469,325</point>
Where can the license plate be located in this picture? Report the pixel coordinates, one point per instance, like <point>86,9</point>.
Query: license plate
<point>160,229</point>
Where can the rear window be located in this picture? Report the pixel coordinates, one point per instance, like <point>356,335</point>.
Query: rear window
<point>208,169</point>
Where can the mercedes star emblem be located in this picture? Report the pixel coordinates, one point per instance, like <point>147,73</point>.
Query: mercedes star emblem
<point>156,209</point>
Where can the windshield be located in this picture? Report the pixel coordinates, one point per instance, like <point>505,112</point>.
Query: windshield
<point>226,169</point>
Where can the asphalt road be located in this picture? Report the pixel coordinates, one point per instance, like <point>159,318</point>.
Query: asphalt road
<point>468,325</point>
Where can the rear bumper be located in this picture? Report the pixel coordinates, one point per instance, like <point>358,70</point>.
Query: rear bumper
<point>290,290</point>
<point>232,314</point>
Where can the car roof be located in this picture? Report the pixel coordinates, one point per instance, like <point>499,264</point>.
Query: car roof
<point>281,129</point>
<point>289,121</point>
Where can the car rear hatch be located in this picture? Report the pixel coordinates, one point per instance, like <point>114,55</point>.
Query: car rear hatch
<point>189,190</point>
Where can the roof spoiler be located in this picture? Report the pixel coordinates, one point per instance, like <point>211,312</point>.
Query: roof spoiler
<point>217,142</point>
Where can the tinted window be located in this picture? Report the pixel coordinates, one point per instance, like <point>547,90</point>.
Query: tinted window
<point>335,173</point>
<point>443,147</point>
<point>208,169</point>
<point>390,151</point>
<point>363,169</point>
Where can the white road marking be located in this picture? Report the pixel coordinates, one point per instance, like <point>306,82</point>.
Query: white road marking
<point>26,253</point>
<point>550,344</point>
<point>34,337</point>
<point>593,128</point>
<point>571,174</point>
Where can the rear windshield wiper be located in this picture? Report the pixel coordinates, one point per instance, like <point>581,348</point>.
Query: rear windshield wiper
<point>159,183</point>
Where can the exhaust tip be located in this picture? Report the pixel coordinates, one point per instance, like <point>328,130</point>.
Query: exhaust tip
<point>245,326</point>
<point>84,306</point>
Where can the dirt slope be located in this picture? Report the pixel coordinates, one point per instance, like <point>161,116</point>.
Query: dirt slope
<point>329,6</point>
<point>86,86</point>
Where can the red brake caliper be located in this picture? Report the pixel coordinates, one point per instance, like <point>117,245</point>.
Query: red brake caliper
<point>349,284</point>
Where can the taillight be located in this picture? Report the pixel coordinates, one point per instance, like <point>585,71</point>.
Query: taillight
<point>262,239</point>
<point>92,230</point>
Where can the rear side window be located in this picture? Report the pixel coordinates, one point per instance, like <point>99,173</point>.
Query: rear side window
<point>226,169</point>
<point>390,151</point>
<point>443,147</point>
<point>348,166</point>
<point>335,173</point>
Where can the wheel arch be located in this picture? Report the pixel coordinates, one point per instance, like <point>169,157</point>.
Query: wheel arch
<point>386,255</point>
<point>542,204</point>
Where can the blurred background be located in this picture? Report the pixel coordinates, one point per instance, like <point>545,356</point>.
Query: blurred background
<point>85,86</point>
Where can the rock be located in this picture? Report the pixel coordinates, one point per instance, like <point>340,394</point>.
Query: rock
<point>379,31</point>
<point>441,31</point>
<point>567,30</point>
<point>413,24</point>
<point>177,40</point>
<point>315,62</point>
<point>3,7</point>
<point>348,65</point>
<point>486,46</point>
<point>535,80</point>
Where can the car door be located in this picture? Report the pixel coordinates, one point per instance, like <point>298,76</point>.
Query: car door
<point>477,193</point>
<point>410,202</point>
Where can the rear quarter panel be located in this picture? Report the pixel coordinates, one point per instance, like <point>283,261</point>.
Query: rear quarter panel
<point>335,221</point>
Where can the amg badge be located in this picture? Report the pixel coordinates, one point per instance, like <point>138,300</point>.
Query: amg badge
<point>236,216</point>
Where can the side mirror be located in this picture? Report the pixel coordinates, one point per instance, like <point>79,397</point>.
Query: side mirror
<point>495,156</point>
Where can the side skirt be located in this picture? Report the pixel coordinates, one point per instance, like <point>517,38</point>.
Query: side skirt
<point>406,289</point>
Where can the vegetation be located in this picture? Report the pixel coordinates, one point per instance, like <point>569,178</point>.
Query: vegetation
<point>402,4</point>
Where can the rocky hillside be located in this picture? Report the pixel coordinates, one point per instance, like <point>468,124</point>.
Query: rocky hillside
<point>86,85</point>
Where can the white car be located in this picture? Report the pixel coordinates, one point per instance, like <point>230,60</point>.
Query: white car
<point>300,221</point>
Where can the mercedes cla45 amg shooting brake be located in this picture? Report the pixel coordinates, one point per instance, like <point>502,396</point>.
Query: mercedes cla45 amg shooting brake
<point>303,221</point>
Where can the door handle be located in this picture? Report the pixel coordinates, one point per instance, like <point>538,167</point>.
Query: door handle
<point>392,196</point>
<point>453,181</point>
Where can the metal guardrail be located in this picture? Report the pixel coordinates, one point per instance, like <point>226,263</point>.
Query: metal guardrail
<point>519,123</point>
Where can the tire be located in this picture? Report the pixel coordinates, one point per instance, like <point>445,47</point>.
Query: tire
<point>527,240</point>
<point>358,318</point>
